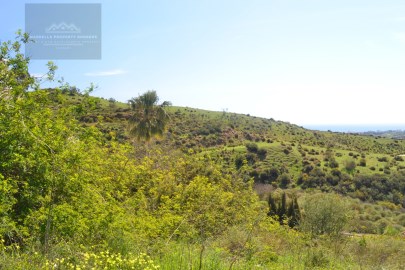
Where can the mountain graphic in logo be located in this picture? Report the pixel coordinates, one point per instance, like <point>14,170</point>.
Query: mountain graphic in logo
<point>63,28</point>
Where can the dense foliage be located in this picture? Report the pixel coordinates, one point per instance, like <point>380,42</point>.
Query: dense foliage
<point>76,192</point>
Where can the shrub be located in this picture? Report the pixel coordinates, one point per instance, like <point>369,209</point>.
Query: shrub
<point>316,258</point>
<point>363,162</point>
<point>350,165</point>
<point>269,175</point>
<point>324,214</point>
<point>261,153</point>
<point>239,162</point>
<point>401,219</point>
<point>285,180</point>
<point>398,158</point>
<point>382,159</point>
<point>252,147</point>
<point>333,163</point>
<point>251,158</point>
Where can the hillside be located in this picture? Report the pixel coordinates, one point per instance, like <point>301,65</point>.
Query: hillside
<point>277,153</point>
<point>98,189</point>
<point>202,128</point>
<point>85,183</point>
<point>282,144</point>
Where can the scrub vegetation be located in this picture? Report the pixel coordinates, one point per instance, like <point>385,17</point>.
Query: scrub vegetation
<point>91,183</point>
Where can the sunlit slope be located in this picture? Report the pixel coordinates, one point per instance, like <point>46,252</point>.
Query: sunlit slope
<point>287,147</point>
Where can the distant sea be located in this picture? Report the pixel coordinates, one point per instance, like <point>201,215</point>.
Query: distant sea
<point>355,128</point>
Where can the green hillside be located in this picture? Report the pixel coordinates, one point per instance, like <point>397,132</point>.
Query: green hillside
<point>202,128</point>
<point>277,154</point>
<point>216,191</point>
<point>282,145</point>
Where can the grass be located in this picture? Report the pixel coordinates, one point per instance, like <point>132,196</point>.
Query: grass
<point>353,252</point>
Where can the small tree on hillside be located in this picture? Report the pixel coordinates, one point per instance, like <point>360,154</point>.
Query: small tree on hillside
<point>324,214</point>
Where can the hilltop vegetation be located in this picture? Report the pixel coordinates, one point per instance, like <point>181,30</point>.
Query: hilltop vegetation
<point>201,128</point>
<point>216,190</point>
<point>276,153</point>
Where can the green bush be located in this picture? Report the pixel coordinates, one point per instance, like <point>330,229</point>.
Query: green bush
<point>363,162</point>
<point>324,214</point>
<point>398,158</point>
<point>382,159</point>
<point>252,147</point>
<point>261,153</point>
<point>333,163</point>
<point>350,165</point>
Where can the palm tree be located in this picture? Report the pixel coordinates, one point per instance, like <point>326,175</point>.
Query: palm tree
<point>149,118</point>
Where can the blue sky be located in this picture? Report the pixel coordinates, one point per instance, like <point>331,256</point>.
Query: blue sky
<point>308,62</point>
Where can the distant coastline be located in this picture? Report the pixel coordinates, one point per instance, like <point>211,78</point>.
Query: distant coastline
<point>356,128</point>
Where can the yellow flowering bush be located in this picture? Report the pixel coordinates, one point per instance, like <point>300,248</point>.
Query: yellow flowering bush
<point>104,260</point>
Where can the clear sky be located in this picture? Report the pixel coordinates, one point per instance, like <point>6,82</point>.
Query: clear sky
<point>308,62</point>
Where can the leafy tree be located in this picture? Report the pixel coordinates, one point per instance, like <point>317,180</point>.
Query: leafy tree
<point>25,149</point>
<point>53,171</point>
<point>285,180</point>
<point>272,174</point>
<point>149,118</point>
<point>324,214</point>
<point>282,209</point>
